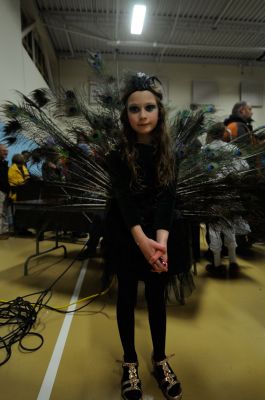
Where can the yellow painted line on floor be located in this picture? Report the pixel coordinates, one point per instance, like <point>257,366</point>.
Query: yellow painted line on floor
<point>48,381</point>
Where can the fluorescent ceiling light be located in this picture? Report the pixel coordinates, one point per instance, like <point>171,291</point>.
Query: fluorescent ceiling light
<point>138,19</point>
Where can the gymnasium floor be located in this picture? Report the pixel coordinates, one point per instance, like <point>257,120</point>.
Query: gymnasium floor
<point>218,336</point>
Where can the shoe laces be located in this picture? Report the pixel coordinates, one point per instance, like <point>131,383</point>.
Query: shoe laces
<point>169,375</point>
<point>132,373</point>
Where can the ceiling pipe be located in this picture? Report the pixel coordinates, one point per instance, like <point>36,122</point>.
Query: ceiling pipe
<point>183,46</point>
<point>69,43</point>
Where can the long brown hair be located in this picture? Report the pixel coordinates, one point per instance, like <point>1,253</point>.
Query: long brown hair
<point>161,141</point>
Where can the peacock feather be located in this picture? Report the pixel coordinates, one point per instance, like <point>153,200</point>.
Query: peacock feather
<point>56,121</point>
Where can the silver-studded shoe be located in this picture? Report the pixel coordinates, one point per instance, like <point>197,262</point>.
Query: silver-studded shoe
<point>167,380</point>
<point>130,384</point>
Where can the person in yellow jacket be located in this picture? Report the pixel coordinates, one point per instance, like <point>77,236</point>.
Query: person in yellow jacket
<point>18,174</point>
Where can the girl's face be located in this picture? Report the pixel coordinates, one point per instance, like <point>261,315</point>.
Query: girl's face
<point>143,114</point>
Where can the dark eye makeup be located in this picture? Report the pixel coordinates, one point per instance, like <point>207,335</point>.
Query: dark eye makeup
<point>150,107</point>
<point>135,109</point>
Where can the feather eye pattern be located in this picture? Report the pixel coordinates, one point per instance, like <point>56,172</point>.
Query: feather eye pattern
<point>41,96</point>
<point>46,124</point>
<point>214,183</point>
<point>187,126</point>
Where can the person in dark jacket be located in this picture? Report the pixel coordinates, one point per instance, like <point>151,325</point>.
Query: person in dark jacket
<point>239,123</point>
<point>4,191</point>
<point>52,170</point>
<point>138,243</point>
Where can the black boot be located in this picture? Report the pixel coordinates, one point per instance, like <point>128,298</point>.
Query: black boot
<point>130,382</point>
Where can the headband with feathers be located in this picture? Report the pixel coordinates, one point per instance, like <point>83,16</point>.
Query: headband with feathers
<point>139,82</point>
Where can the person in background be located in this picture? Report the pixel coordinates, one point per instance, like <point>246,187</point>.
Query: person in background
<point>52,168</point>
<point>239,129</point>
<point>217,147</point>
<point>26,154</point>
<point>18,175</point>
<point>138,226</point>
<point>260,159</point>
<point>239,123</point>
<point>4,191</point>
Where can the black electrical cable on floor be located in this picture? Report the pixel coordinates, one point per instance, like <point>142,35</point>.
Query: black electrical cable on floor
<point>18,316</point>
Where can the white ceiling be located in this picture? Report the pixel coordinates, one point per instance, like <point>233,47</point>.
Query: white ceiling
<point>193,31</point>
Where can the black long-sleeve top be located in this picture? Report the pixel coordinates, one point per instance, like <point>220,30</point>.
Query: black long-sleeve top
<point>147,205</point>
<point>144,203</point>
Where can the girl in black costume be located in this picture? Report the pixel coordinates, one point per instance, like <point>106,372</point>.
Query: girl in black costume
<point>139,225</point>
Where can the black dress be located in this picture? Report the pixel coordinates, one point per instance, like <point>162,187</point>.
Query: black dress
<point>149,206</point>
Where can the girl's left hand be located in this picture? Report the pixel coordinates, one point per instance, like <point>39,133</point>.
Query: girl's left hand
<point>159,262</point>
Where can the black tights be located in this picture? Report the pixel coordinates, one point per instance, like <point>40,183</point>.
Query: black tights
<point>155,297</point>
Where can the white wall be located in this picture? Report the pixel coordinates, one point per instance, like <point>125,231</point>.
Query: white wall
<point>17,70</point>
<point>179,78</point>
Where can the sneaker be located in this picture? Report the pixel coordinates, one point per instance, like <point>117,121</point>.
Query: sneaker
<point>219,270</point>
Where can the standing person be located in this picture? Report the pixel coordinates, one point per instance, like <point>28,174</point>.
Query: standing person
<point>218,150</point>
<point>18,175</point>
<point>52,168</point>
<point>26,154</point>
<point>138,226</point>
<point>4,190</point>
<point>239,123</point>
<point>18,178</point>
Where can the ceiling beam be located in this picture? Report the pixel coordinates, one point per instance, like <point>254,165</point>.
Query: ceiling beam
<point>158,45</point>
<point>28,29</point>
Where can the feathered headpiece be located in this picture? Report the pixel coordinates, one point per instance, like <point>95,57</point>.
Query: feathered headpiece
<point>139,82</point>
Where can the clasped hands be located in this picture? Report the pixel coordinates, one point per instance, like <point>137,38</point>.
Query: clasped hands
<point>156,255</point>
